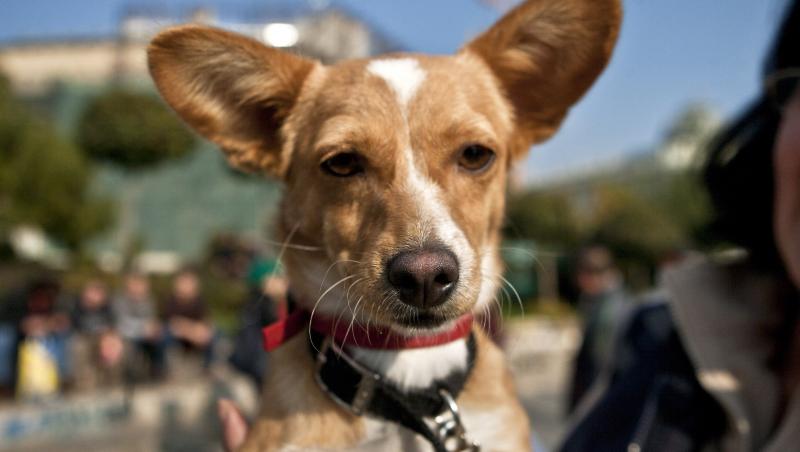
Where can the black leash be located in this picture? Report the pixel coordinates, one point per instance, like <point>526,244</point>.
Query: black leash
<point>430,412</point>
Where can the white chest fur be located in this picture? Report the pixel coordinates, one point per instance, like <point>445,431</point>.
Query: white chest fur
<point>415,368</point>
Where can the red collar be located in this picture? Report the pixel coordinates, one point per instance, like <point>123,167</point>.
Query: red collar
<point>374,337</point>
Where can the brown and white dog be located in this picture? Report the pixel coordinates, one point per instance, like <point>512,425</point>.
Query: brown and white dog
<point>395,171</point>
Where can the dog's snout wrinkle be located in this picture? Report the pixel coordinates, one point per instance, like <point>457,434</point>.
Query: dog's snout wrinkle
<point>423,278</point>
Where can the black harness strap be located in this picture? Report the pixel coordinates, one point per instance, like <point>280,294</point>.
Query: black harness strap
<point>362,391</point>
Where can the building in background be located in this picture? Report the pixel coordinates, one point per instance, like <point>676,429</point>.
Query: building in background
<point>175,209</point>
<point>329,35</point>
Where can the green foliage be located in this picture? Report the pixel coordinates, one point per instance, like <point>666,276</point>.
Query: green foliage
<point>5,89</point>
<point>640,225</point>
<point>132,130</point>
<point>547,217</point>
<point>632,226</point>
<point>689,206</point>
<point>44,179</point>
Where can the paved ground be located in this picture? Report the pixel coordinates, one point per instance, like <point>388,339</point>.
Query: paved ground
<point>180,416</point>
<point>540,353</point>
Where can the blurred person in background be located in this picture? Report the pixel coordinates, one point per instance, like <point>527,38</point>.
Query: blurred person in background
<point>8,340</point>
<point>265,304</point>
<point>96,348</point>
<point>187,318</point>
<point>137,323</point>
<point>716,365</point>
<point>91,312</point>
<point>603,304</point>
<point>34,316</point>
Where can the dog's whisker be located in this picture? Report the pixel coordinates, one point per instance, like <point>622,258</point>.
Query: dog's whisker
<point>325,276</point>
<point>319,300</point>
<point>293,246</point>
<point>381,305</point>
<point>535,256</point>
<point>282,250</point>
<point>496,302</point>
<point>352,320</point>
<point>372,312</point>
<point>350,287</point>
<point>516,294</point>
<point>347,303</point>
<point>347,307</point>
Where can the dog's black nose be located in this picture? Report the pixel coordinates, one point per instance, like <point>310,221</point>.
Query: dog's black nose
<point>425,277</point>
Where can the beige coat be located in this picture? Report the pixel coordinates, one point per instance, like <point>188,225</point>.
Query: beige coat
<point>730,319</point>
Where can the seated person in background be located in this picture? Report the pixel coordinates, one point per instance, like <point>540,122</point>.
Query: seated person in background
<point>34,313</point>
<point>91,313</point>
<point>186,316</point>
<point>96,348</point>
<point>137,323</point>
<point>716,364</point>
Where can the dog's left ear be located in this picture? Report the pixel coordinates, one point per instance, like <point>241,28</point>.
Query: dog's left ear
<point>545,55</point>
<point>233,90</point>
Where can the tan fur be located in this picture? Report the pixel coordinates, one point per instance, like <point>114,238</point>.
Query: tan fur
<point>491,389</point>
<point>284,115</point>
<point>295,411</point>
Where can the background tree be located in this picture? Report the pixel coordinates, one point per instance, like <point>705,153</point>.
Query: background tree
<point>684,198</point>
<point>545,216</point>
<point>133,131</point>
<point>44,179</point>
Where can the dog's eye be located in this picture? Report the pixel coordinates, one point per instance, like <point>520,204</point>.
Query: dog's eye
<point>345,164</point>
<point>475,158</point>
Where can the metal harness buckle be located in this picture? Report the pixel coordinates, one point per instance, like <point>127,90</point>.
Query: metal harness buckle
<point>449,429</point>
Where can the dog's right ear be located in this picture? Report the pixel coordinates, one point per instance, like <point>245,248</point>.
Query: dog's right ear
<point>545,54</point>
<point>233,90</point>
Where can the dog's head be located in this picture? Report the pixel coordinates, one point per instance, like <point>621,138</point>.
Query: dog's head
<point>394,167</point>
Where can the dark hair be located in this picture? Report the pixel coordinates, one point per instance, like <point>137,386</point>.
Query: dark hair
<point>44,283</point>
<point>739,173</point>
<point>786,50</point>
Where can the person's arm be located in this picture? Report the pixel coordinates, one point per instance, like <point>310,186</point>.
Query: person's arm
<point>199,329</point>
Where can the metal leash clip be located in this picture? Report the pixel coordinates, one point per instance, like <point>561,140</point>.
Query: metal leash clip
<point>450,430</point>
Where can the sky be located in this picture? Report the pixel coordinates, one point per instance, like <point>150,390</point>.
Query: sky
<point>671,54</point>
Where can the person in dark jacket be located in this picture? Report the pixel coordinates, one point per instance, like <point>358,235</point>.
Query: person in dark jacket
<point>186,316</point>
<point>714,364</point>
<point>91,313</point>
<point>604,306</point>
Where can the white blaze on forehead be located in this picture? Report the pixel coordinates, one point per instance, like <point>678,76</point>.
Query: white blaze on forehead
<point>403,75</point>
